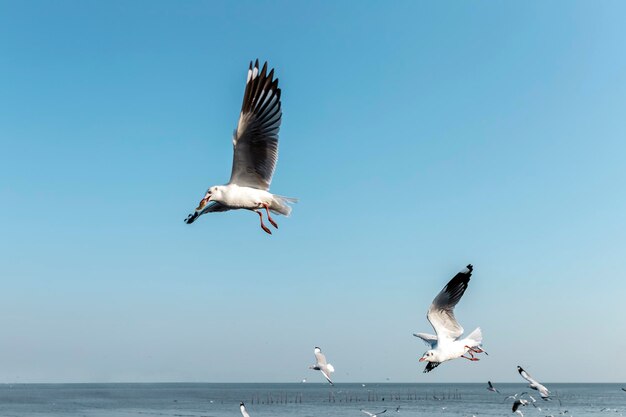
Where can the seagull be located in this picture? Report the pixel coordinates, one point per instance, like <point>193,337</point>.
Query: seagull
<point>533,401</point>
<point>321,365</point>
<point>512,397</point>
<point>543,391</point>
<point>517,404</point>
<point>372,414</point>
<point>244,413</point>
<point>255,143</point>
<point>447,344</point>
<point>492,388</point>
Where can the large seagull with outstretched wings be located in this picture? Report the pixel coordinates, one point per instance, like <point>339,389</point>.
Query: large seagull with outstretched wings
<point>255,144</point>
<point>447,344</point>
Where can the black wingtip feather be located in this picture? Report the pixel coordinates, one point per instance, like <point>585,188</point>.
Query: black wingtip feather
<point>430,366</point>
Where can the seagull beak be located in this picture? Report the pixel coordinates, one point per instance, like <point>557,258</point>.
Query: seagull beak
<point>204,202</point>
<point>422,359</point>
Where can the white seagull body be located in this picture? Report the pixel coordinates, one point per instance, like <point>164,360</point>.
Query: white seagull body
<point>533,384</point>
<point>255,144</point>
<point>447,344</point>
<point>242,408</point>
<point>321,365</point>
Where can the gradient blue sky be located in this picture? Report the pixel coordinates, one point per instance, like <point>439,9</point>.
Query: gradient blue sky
<point>419,137</point>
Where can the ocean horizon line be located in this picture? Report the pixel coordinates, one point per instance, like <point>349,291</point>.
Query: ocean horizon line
<point>302,383</point>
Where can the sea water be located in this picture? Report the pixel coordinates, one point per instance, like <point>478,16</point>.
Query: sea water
<point>301,400</point>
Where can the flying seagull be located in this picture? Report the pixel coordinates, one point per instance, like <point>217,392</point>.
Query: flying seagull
<point>533,401</point>
<point>492,388</point>
<point>533,384</point>
<point>517,404</point>
<point>373,414</point>
<point>321,365</point>
<point>447,344</point>
<point>512,397</point>
<point>255,143</point>
<point>244,413</point>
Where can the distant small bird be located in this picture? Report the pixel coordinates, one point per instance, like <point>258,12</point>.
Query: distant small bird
<point>321,365</point>
<point>517,404</point>
<point>512,397</point>
<point>492,388</point>
<point>255,144</point>
<point>533,384</point>
<point>447,344</point>
<point>242,408</point>
<point>397,409</point>
<point>373,414</point>
<point>623,389</point>
<point>303,380</point>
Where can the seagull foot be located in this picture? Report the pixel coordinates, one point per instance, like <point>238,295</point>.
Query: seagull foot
<point>269,217</point>
<point>266,229</point>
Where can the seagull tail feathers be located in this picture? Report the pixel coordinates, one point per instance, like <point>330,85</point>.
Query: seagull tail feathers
<point>476,337</point>
<point>280,204</point>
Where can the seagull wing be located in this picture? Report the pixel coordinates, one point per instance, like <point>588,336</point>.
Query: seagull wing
<point>255,141</point>
<point>543,391</point>
<point>430,339</point>
<point>212,207</point>
<point>368,413</point>
<point>382,412</point>
<point>492,388</point>
<point>430,366</point>
<point>515,406</point>
<point>325,372</point>
<point>441,311</point>
<point>244,413</point>
<point>320,358</point>
<point>526,376</point>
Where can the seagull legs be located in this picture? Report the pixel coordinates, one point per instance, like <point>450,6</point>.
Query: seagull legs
<point>263,226</point>
<point>267,209</point>
<point>470,350</point>
<point>478,350</point>
<point>473,359</point>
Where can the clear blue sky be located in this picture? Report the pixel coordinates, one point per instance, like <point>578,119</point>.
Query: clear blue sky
<point>419,137</point>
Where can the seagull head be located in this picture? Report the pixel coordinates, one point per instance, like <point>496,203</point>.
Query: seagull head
<point>429,356</point>
<point>212,194</point>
